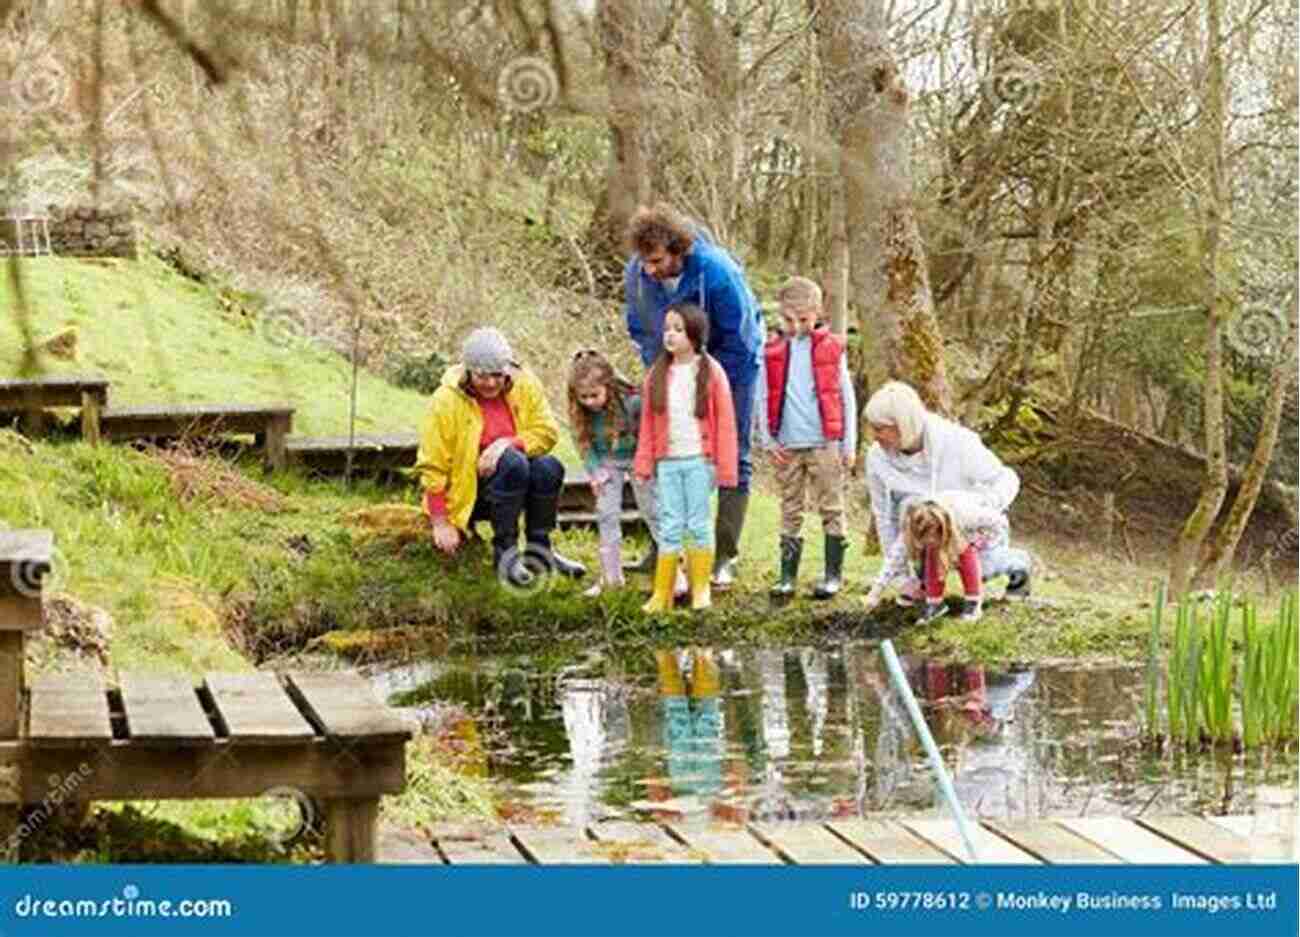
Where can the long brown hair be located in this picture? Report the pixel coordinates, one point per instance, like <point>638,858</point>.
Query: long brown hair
<point>924,518</point>
<point>697,333</point>
<point>588,366</point>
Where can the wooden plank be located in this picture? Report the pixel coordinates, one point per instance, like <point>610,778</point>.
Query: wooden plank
<point>1051,842</point>
<point>123,771</point>
<point>346,706</point>
<point>164,709</point>
<point>992,850</point>
<point>488,849</point>
<point>1200,836</point>
<point>722,845</point>
<point>588,518</point>
<point>69,710</point>
<point>1129,841</point>
<point>256,708</point>
<point>276,431</point>
<point>59,391</point>
<point>808,844</point>
<point>887,842</point>
<point>12,659</point>
<point>1241,825</point>
<point>555,846</point>
<point>90,407</point>
<point>637,843</point>
<point>306,445</point>
<point>201,410</point>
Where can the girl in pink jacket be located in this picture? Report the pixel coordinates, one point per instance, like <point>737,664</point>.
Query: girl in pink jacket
<point>688,446</point>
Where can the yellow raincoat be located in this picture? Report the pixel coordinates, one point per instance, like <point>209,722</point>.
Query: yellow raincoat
<point>448,456</point>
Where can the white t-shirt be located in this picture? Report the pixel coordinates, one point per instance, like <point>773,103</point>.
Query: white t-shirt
<point>683,428</point>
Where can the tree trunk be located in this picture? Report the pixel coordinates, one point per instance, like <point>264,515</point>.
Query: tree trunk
<point>1225,544</point>
<point>717,50</point>
<point>1214,206</point>
<point>625,178</point>
<point>887,265</point>
<point>838,278</point>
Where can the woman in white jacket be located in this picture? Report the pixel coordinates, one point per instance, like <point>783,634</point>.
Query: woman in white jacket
<point>917,454</point>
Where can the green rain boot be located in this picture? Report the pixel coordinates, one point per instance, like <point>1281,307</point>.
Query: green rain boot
<point>830,585</point>
<point>791,551</point>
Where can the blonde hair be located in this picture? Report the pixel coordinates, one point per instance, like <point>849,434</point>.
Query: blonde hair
<point>923,517</point>
<point>800,293</point>
<point>897,404</point>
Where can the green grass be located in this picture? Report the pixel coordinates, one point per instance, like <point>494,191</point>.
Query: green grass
<point>165,339</point>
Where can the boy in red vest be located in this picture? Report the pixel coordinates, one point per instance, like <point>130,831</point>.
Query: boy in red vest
<point>808,419</point>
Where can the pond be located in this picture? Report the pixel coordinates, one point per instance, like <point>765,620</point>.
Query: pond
<point>698,734</point>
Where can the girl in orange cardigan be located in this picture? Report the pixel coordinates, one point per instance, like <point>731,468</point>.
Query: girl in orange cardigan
<point>688,443</point>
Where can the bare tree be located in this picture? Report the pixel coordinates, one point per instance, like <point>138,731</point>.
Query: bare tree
<point>888,273</point>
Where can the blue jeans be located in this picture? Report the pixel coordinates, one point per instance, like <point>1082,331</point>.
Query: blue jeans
<point>682,491</point>
<point>742,398</point>
<point>515,487</point>
<point>693,737</point>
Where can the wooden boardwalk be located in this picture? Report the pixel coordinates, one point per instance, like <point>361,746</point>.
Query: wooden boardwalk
<point>1183,840</point>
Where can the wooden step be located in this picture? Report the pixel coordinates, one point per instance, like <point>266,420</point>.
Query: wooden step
<point>63,390</point>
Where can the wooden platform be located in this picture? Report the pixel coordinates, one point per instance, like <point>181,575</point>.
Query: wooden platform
<point>87,391</point>
<point>269,424</point>
<point>225,735</point>
<point>1093,840</point>
<point>372,455</point>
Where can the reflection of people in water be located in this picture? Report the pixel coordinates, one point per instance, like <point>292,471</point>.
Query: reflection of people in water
<point>692,720</point>
<point>970,711</point>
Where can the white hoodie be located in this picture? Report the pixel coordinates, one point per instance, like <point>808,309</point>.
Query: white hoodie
<point>977,520</point>
<point>952,458</point>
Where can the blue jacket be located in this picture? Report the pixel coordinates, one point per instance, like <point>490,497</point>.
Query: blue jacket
<point>711,279</point>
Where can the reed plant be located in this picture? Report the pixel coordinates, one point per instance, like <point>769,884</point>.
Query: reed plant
<point>1270,676</point>
<point>1204,675</point>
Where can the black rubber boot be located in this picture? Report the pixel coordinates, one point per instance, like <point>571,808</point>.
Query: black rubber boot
<point>831,583</point>
<point>503,513</point>
<point>791,552</point>
<point>732,505</point>
<point>541,513</point>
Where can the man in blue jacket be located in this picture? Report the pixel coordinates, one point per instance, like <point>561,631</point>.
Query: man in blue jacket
<point>675,261</point>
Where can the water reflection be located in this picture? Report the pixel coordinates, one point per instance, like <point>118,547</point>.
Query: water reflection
<point>742,734</point>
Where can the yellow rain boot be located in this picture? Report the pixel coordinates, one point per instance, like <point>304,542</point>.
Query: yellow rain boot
<point>706,678</point>
<point>699,567</point>
<point>670,675</point>
<point>661,600</point>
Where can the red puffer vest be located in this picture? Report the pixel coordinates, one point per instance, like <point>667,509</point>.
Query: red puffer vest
<point>826,353</point>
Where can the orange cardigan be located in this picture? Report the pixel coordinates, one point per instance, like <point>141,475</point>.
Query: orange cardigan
<point>717,430</point>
